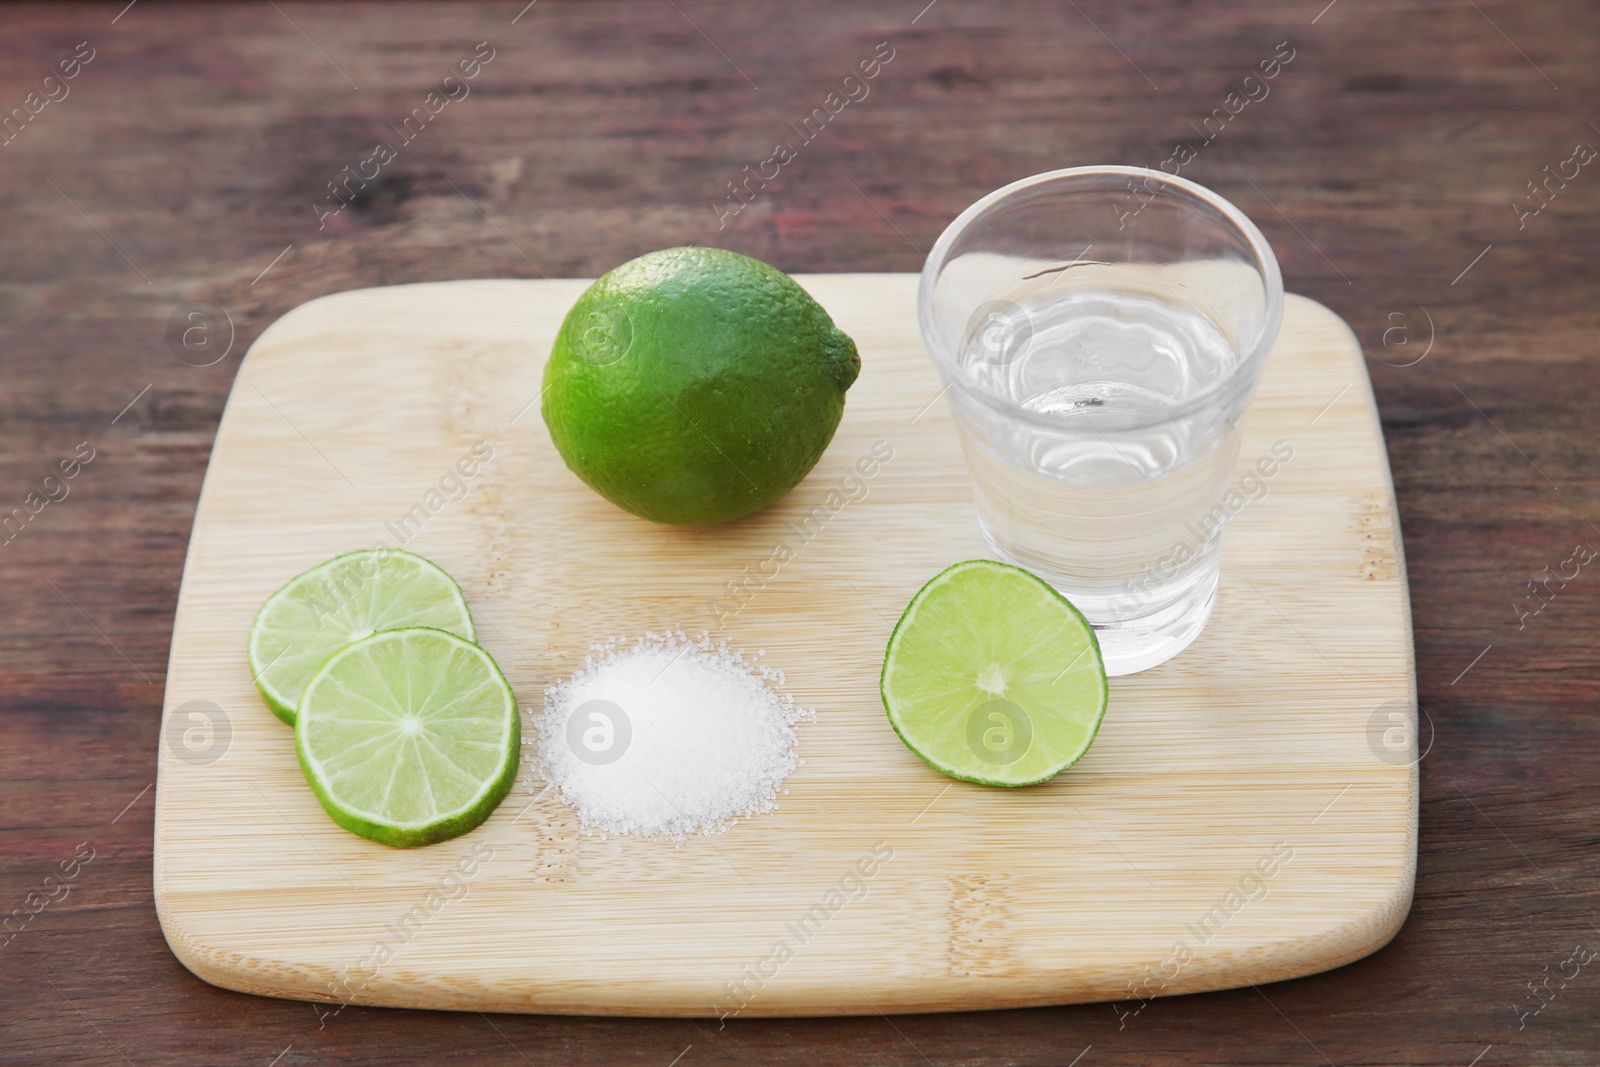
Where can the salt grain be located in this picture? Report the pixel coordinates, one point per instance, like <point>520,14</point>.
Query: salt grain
<point>670,736</point>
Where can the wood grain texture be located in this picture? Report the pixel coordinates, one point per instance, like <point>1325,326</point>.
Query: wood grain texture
<point>1380,167</point>
<point>1254,751</point>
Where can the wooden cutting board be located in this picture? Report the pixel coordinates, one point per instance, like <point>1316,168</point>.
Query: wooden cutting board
<point>1248,813</point>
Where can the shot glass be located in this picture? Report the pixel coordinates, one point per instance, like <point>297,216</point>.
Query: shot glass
<point>1101,331</point>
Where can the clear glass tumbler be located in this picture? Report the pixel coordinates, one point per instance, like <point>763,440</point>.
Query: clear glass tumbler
<point>1100,331</point>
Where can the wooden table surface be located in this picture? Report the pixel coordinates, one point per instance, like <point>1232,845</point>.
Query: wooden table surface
<point>173,195</point>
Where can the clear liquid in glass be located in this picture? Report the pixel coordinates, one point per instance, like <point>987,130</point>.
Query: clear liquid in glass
<point>1114,501</point>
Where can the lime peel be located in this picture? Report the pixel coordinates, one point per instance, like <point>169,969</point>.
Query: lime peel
<point>693,386</point>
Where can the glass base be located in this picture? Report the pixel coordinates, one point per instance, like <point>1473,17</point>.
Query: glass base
<point>1131,645</point>
<point>1135,645</point>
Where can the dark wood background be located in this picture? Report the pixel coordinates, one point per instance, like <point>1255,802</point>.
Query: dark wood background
<point>192,147</point>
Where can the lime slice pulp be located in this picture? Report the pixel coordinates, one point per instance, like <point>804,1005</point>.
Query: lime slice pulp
<point>992,676</point>
<point>409,737</point>
<point>344,600</point>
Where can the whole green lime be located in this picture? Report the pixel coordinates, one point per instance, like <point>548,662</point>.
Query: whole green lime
<point>696,385</point>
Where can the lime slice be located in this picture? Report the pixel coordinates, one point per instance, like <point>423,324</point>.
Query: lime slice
<point>992,676</point>
<point>341,601</point>
<point>409,736</point>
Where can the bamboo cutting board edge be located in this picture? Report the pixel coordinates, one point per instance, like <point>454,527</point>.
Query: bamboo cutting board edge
<point>269,973</point>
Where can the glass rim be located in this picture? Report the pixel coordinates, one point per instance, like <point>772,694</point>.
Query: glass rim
<point>1246,370</point>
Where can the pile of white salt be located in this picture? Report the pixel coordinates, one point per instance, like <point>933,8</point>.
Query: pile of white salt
<point>670,736</point>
